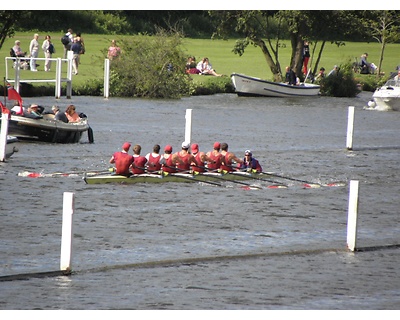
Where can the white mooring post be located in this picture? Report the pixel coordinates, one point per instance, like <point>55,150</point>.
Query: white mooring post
<point>58,78</point>
<point>352,215</point>
<point>66,237</point>
<point>188,128</point>
<point>3,136</point>
<point>350,125</point>
<point>106,78</point>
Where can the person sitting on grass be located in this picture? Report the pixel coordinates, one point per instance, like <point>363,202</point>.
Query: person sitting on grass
<point>205,68</point>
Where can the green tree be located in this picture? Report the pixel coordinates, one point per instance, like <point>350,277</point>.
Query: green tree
<point>383,27</point>
<point>150,66</point>
<point>8,21</point>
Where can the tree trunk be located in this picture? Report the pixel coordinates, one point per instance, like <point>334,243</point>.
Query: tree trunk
<point>274,67</point>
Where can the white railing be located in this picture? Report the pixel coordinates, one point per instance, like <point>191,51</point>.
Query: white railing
<point>58,80</point>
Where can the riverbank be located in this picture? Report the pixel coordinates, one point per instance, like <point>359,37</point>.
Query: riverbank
<point>90,78</point>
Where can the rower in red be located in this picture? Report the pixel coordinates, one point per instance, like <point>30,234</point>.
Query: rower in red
<point>139,162</point>
<point>186,158</point>
<point>215,156</point>
<point>153,159</point>
<point>169,160</point>
<point>201,158</point>
<point>122,160</point>
<point>228,159</point>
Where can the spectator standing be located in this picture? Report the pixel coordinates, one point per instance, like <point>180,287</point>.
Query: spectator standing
<point>113,50</point>
<point>67,45</point>
<point>79,39</point>
<point>306,56</point>
<point>34,51</point>
<point>48,49</point>
<point>76,50</point>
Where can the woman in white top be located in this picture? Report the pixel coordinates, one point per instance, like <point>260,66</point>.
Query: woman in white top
<point>48,49</point>
<point>34,51</point>
<point>205,68</point>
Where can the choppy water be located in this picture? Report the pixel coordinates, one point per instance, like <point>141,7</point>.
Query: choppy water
<point>198,246</point>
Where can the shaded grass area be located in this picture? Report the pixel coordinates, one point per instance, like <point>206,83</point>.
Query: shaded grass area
<point>219,52</point>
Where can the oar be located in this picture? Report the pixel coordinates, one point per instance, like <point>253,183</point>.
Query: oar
<point>307,184</point>
<point>58,174</point>
<point>192,179</point>
<point>257,178</point>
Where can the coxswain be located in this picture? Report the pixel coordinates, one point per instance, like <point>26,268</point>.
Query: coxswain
<point>122,160</point>
<point>228,158</point>
<point>249,163</point>
<point>215,156</point>
<point>139,162</point>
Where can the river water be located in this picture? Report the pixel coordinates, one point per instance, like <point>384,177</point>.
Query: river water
<point>197,246</point>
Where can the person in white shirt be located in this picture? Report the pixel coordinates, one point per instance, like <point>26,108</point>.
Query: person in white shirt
<point>205,68</point>
<point>34,51</point>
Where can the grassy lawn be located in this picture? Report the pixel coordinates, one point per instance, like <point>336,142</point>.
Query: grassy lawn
<point>218,51</point>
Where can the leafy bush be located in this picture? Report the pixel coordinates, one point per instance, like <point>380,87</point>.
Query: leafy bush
<point>150,66</point>
<point>340,84</point>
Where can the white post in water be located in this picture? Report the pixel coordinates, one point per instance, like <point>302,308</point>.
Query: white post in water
<point>352,215</point>
<point>106,78</point>
<point>66,237</point>
<point>188,128</point>
<point>350,125</point>
<point>58,78</point>
<point>3,136</point>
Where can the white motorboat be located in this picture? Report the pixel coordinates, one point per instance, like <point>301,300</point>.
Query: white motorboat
<point>387,97</point>
<point>251,86</point>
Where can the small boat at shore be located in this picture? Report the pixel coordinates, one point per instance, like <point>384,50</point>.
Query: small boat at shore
<point>256,87</point>
<point>47,129</point>
<point>206,177</point>
<point>387,97</point>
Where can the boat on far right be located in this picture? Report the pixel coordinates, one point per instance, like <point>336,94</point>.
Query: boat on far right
<point>387,97</point>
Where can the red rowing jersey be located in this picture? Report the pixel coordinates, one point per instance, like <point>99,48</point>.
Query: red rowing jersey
<point>186,162</point>
<point>200,164</point>
<point>122,162</point>
<point>153,164</point>
<point>215,158</point>
<point>139,163</point>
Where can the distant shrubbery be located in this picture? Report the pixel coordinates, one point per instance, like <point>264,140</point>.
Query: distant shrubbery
<point>340,84</point>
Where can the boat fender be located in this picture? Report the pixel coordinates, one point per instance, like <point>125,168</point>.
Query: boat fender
<point>90,135</point>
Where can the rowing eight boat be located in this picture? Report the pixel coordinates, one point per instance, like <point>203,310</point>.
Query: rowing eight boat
<point>173,177</point>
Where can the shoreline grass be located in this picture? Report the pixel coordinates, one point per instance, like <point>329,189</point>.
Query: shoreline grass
<point>218,51</point>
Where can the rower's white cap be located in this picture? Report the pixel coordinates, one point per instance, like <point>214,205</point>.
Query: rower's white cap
<point>185,145</point>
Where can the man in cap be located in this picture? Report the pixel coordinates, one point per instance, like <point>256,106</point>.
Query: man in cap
<point>186,158</point>
<point>59,115</point>
<point>169,160</point>
<point>200,157</point>
<point>228,158</point>
<point>215,156</point>
<point>249,163</point>
<point>122,160</point>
